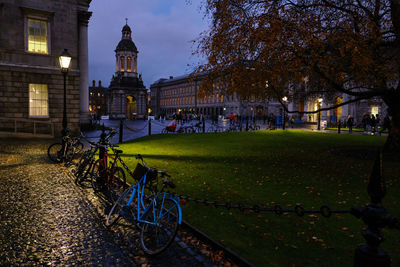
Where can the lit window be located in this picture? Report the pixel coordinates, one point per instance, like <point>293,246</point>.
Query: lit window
<point>98,94</point>
<point>38,100</point>
<point>122,63</point>
<point>37,36</point>
<point>374,110</point>
<point>128,64</point>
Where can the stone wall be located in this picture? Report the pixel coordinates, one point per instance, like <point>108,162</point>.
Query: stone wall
<point>19,68</point>
<point>14,95</point>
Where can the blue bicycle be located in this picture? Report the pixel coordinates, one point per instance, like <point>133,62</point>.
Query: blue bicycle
<point>157,214</point>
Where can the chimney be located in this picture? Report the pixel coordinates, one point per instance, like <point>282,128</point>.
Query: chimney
<point>99,83</point>
<point>94,84</point>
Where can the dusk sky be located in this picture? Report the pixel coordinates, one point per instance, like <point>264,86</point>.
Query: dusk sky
<point>161,29</point>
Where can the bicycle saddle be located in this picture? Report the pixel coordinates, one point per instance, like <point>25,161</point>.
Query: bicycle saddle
<point>118,151</point>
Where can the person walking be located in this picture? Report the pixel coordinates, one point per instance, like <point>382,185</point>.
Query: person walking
<point>350,123</point>
<point>231,118</point>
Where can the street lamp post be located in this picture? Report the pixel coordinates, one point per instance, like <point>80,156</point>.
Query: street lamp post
<point>284,99</point>
<point>319,113</point>
<point>65,62</point>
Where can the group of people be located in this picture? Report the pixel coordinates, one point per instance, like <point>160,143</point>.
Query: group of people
<point>371,123</point>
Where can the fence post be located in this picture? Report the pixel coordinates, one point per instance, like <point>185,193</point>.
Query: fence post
<point>121,130</point>
<point>15,126</point>
<point>34,128</point>
<point>375,217</point>
<point>338,128</point>
<point>247,124</point>
<point>149,127</point>
<point>204,125</point>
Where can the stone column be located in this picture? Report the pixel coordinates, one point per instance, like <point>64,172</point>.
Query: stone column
<point>83,19</point>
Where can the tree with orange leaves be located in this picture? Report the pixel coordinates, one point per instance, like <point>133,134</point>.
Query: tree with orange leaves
<point>264,48</point>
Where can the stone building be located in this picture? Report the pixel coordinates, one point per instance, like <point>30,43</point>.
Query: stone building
<point>33,34</point>
<point>299,101</point>
<point>98,100</point>
<point>180,94</point>
<point>128,95</point>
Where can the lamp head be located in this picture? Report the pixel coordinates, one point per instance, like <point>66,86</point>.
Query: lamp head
<point>65,61</point>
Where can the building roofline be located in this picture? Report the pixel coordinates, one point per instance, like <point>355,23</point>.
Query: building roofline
<point>177,79</point>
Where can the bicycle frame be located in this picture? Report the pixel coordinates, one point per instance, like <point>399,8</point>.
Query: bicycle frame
<point>138,189</point>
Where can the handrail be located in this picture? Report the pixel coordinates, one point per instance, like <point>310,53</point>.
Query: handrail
<point>15,131</point>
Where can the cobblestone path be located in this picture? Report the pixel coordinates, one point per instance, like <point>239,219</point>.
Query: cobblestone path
<point>45,219</point>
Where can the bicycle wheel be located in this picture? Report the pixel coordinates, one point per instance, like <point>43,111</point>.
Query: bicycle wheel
<point>120,208</point>
<point>164,131</point>
<point>117,184</point>
<point>160,228</point>
<point>99,175</point>
<point>189,130</point>
<point>84,171</point>
<point>78,147</point>
<point>55,152</point>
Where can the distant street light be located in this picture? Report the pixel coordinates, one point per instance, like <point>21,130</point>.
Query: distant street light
<point>65,62</point>
<point>284,99</point>
<point>319,113</point>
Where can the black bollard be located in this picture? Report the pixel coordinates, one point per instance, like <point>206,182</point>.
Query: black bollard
<point>338,128</point>
<point>121,130</point>
<point>247,124</point>
<point>149,127</point>
<point>204,125</point>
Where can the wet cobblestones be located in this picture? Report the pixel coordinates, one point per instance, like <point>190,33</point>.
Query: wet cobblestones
<point>45,219</point>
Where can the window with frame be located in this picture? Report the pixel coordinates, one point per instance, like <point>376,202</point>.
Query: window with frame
<point>128,64</point>
<point>37,36</point>
<point>38,100</point>
<point>122,63</point>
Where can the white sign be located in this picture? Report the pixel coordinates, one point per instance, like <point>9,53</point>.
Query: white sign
<point>105,117</point>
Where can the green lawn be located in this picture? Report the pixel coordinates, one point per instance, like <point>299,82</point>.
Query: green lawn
<point>269,167</point>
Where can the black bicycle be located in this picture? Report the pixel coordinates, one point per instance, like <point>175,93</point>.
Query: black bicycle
<point>59,153</point>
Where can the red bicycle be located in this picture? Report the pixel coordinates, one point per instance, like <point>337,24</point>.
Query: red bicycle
<point>108,177</point>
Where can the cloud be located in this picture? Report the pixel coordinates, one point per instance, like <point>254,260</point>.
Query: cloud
<point>162,31</point>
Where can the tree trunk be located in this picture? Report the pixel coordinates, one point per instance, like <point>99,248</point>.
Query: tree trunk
<point>393,141</point>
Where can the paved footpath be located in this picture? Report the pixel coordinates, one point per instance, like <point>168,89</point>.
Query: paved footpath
<point>45,219</point>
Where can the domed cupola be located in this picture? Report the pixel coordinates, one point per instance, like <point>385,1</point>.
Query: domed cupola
<point>126,54</point>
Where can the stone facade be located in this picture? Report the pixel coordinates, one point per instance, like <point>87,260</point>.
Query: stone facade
<point>128,95</point>
<point>98,100</point>
<point>63,25</point>
<point>180,94</point>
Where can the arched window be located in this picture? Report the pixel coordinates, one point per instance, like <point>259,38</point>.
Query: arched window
<point>122,63</point>
<point>128,64</point>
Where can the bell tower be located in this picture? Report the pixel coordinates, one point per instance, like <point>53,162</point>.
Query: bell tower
<point>126,54</point>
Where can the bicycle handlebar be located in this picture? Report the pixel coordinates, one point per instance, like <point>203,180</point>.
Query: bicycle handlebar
<point>163,174</point>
